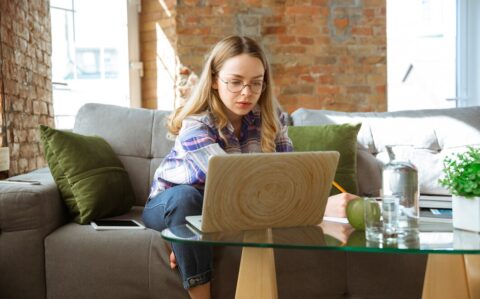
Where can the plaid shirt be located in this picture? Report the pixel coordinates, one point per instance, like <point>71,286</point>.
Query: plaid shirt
<point>198,140</point>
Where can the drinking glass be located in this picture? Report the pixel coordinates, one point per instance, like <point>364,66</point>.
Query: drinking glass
<point>381,218</point>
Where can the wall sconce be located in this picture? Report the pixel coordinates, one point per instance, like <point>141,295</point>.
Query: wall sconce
<point>4,151</point>
<point>4,159</point>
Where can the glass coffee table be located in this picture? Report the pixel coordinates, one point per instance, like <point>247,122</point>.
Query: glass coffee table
<point>453,267</point>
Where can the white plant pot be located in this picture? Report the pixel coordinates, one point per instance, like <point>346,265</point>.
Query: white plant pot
<point>466,213</point>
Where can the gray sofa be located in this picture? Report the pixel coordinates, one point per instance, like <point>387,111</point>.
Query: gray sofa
<point>44,256</point>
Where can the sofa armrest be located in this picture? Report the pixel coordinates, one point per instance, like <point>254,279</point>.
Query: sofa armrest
<point>28,213</point>
<point>25,207</point>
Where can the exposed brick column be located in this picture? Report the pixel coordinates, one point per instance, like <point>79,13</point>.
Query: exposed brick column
<point>26,69</point>
<point>158,39</point>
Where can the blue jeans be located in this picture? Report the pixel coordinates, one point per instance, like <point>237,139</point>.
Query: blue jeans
<point>168,209</point>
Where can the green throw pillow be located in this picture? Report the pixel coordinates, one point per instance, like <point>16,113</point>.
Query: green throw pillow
<point>341,138</point>
<point>92,181</point>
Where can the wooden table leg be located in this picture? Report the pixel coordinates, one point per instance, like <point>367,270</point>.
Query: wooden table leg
<point>472,267</point>
<point>452,276</point>
<point>257,277</point>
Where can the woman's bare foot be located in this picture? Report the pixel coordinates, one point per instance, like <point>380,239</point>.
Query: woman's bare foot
<point>173,260</point>
<point>200,292</point>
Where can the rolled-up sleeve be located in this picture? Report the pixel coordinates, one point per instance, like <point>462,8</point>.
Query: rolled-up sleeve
<point>199,142</point>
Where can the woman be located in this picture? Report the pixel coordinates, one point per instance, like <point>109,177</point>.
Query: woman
<point>232,110</point>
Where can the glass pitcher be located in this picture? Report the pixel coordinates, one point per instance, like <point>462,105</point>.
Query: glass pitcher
<point>400,179</point>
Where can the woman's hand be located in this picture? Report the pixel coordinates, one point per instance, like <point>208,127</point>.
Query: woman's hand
<point>337,204</point>
<point>173,260</point>
<point>340,231</point>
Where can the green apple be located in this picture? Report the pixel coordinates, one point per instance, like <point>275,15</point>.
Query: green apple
<point>355,212</point>
<point>356,239</point>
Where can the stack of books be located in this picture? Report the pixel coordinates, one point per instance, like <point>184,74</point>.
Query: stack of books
<point>435,213</point>
<point>436,201</point>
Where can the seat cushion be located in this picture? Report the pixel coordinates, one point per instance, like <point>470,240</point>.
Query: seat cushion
<point>84,263</point>
<point>92,181</point>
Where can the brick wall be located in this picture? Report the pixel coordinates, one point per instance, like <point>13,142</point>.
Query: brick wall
<point>327,54</point>
<point>26,79</point>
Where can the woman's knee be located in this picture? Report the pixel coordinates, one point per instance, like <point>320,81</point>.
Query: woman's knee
<point>154,212</point>
<point>174,204</point>
<point>186,199</point>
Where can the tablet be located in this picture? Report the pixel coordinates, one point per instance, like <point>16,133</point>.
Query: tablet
<point>107,224</point>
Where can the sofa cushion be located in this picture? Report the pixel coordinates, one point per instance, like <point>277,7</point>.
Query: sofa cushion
<point>116,264</point>
<point>341,138</point>
<point>28,213</point>
<point>92,181</point>
<point>431,134</point>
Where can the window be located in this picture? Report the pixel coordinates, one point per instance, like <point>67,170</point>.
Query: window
<point>433,56</point>
<point>421,49</point>
<point>90,55</point>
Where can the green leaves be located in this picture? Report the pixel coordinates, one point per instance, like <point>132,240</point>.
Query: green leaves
<point>462,173</point>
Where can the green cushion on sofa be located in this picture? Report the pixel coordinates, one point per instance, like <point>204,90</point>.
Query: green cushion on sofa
<point>341,138</point>
<point>92,180</point>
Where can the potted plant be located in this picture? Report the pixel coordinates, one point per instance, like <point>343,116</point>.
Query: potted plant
<point>462,179</point>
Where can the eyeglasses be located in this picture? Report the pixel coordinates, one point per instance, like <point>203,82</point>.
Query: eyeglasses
<point>236,86</point>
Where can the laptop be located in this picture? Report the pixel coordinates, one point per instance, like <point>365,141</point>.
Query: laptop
<point>265,190</point>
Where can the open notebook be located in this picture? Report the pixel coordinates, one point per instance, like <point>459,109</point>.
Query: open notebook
<point>254,191</point>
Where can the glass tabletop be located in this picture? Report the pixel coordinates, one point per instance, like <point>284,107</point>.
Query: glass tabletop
<point>331,235</point>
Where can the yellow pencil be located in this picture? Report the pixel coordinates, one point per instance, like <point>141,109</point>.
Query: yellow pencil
<point>340,188</point>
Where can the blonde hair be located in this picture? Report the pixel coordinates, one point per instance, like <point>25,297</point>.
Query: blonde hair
<point>204,97</point>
